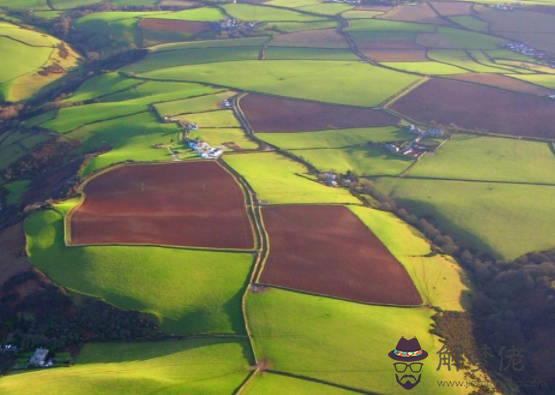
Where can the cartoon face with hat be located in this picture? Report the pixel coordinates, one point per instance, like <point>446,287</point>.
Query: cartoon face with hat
<point>408,369</point>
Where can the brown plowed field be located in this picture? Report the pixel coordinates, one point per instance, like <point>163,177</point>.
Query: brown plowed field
<point>453,8</point>
<point>195,204</point>
<point>421,13</point>
<point>396,55</point>
<point>480,108</point>
<point>327,250</point>
<point>276,114</point>
<point>326,38</point>
<point>172,25</point>
<point>388,44</point>
<point>504,82</point>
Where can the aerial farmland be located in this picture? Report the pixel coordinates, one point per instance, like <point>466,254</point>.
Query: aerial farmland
<point>277,197</point>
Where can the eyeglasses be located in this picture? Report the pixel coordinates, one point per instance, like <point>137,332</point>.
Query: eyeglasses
<point>415,367</point>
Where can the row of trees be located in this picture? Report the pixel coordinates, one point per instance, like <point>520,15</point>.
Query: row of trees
<point>36,313</point>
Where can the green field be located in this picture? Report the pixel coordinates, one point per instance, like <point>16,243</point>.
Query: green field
<point>300,79</point>
<point>279,180</point>
<point>191,292</point>
<point>192,56</point>
<point>473,157</point>
<point>102,85</point>
<point>249,12</point>
<point>341,138</point>
<point>470,22</point>
<point>361,160</point>
<point>426,67</point>
<point>547,80</point>
<point>24,52</point>
<point>193,105</point>
<point>132,100</point>
<point>449,38</point>
<point>357,150</point>
<point>217,137</point>
<point>276,384</point>
<point>310,339</point>
<point>212,119</point>
<point>285,53</point>
<point>506,220</point>
<point>462,59</point>
<point>195,366</point>
<point>131,138</point>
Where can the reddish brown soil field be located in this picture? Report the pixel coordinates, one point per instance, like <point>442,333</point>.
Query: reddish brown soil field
<point>326,38</point>
<point>453,8</point>
<point>196,204</point>
<point>327,250</point>
<point>504,82</point>
<point>276,114</point>
<point>421,13</point>
<point>396,55</point>
<point>172,25</point>
<point>480,108</point>
<point>388,44</point>
<point>533,28</point>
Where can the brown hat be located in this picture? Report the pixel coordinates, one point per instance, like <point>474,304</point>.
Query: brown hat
<point>408,350</point>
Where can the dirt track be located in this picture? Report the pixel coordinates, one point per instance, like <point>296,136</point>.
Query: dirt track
<point>328,250</point>
<point>195,204</point>
<point>479,108</point>
<point>276,114</point>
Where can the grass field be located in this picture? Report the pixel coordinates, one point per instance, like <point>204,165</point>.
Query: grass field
<point>102,85</point>
<point>284,53</point>
<point>472,157</point>
<point>327,81</point>
<point>24,52</point>
<point>507,220</point>
<point>547,80</point>
<point>334,138</point>
<point>276,384</point>
<point>212,119</point>
<point>191,292</point>
<point>134,99</point>
<point>277,180</point>
<point>426,67</point>
<point>217,137</point>
<point>362,160</point>
<point>192,56</point>
<point>131,138</point>
<point>194,366</point>
<point>193,105</point>
<point>310,339</point>
<point>250,12</point>
<point>439,279</point>
<point>462,59</point>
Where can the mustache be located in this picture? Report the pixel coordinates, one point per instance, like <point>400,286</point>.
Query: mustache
<point>408,378</point>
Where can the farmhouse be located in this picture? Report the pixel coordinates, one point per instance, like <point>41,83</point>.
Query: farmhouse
<point>430,132</point>
<point>41,358</point>
<point>203,149</point>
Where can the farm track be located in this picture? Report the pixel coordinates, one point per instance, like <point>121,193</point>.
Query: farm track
<point>261,237</point>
